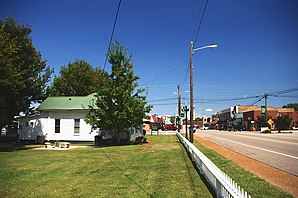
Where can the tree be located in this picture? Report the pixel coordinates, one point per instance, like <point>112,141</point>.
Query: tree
<point>291,105</point>
<point>24,74</point>
<point>262,122</point>
<point>283,122</point>
<point>118,106</point>
<point>77,79</point>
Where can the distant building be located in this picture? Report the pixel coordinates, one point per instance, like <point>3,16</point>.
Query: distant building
<point>250,113</point>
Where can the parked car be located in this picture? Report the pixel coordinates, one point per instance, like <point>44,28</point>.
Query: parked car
<point>171,127</point>
<point>194,129</point>
<point>156,127</point>
<point>205,127</point>
<point>223,127</point>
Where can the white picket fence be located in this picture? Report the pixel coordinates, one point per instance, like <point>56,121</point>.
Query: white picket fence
<point>223,185</point>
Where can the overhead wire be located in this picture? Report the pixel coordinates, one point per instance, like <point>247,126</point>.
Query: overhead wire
<point>159,100</point>
<point>224,99</point>
<point>197,21</point>
<point>286,96</point>
<point>165,74</point>
<point>199,28</point>
<point>184,79</point>
<point>112,34</point>
<point>195,36</point>
<point>283,91</point>
<point>217,100</point>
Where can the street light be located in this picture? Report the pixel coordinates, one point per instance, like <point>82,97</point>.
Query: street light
<point>191,85</point>
<point>204,47</point>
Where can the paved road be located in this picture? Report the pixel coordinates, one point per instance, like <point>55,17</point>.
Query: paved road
<point>278,150</point>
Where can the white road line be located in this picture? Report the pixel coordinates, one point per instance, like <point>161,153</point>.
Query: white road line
<point>260,148</point>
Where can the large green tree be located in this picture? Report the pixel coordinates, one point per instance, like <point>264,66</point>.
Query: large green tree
<point>24,75</point>
<point>77,79</point>
<point>119,105</point>
<point>283,122</point>
<point>291,105</point>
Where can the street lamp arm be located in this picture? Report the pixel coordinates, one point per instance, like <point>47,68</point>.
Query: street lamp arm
<point>204,47</point>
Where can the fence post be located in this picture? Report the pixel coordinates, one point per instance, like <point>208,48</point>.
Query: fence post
<point>201,167</point>
<point>218,189</point>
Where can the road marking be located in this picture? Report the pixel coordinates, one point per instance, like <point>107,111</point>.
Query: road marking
<point>262,138</point>
<point>259,148</point>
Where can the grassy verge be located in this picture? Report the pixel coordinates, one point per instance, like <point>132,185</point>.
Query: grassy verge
<point>253,184</point>
<point>161,169</point>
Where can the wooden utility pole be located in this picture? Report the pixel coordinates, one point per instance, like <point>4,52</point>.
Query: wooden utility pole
<point>265,96</point>
<point>186,110</point>
<point>179,100</point>
<point>191,93</point>
<point>179,107</point>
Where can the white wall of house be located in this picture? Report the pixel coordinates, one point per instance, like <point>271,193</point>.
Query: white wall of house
<point>44,124</point>
<point>30,127</point>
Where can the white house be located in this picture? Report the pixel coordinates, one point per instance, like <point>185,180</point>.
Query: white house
<point>62,118</point>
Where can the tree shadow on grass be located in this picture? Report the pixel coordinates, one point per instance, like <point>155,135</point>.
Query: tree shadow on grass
<point>209,187</point>
<point>14,146</point>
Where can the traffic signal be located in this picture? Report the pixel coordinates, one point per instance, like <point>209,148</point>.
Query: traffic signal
<point>263,110</point>
<point>178,121</point>
<point>182,112</point>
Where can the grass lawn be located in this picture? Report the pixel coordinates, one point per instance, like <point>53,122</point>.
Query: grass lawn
<point>253,184</point>
<point>161,169</point>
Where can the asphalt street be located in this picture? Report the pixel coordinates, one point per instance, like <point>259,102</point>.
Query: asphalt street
<point>277,150</point>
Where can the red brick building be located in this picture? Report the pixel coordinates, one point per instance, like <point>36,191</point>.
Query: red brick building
<point>251,113</point>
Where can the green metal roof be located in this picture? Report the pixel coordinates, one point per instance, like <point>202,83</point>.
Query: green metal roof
<point>68,102</point>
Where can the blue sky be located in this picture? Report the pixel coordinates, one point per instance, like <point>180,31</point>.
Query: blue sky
<point>257,44</point>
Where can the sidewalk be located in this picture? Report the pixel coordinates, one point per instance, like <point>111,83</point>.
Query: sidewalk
<point>286,181</point>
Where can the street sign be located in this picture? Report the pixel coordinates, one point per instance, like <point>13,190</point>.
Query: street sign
<point>270,122</point>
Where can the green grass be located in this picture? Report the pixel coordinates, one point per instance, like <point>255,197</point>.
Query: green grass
<point>253,184</point>
<point>161,169</point>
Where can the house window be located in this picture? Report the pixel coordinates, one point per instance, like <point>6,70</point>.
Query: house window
<point>76,126</point>
<point>57,125</point>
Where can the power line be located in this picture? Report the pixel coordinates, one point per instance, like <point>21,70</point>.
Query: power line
<point>195,40</point>
<point>224,99</point>
<point>197,21</point>
<point>163,75</point>
<point>184,79</point>
<point>115,21</point>
<point>165,99</point>
<point>286,96</point>
<point>216,100</point>
<point>283,91</point>
<point>164,104</point>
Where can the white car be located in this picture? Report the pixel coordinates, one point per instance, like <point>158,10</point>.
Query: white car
<point>3,131</point>
<point>205,128</point>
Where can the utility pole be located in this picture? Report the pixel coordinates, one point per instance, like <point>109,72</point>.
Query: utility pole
<point>179,100</point>
<point>191,92</point>
<point>186,110</point>
<point>179,106</point>
<point>265,96</point>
